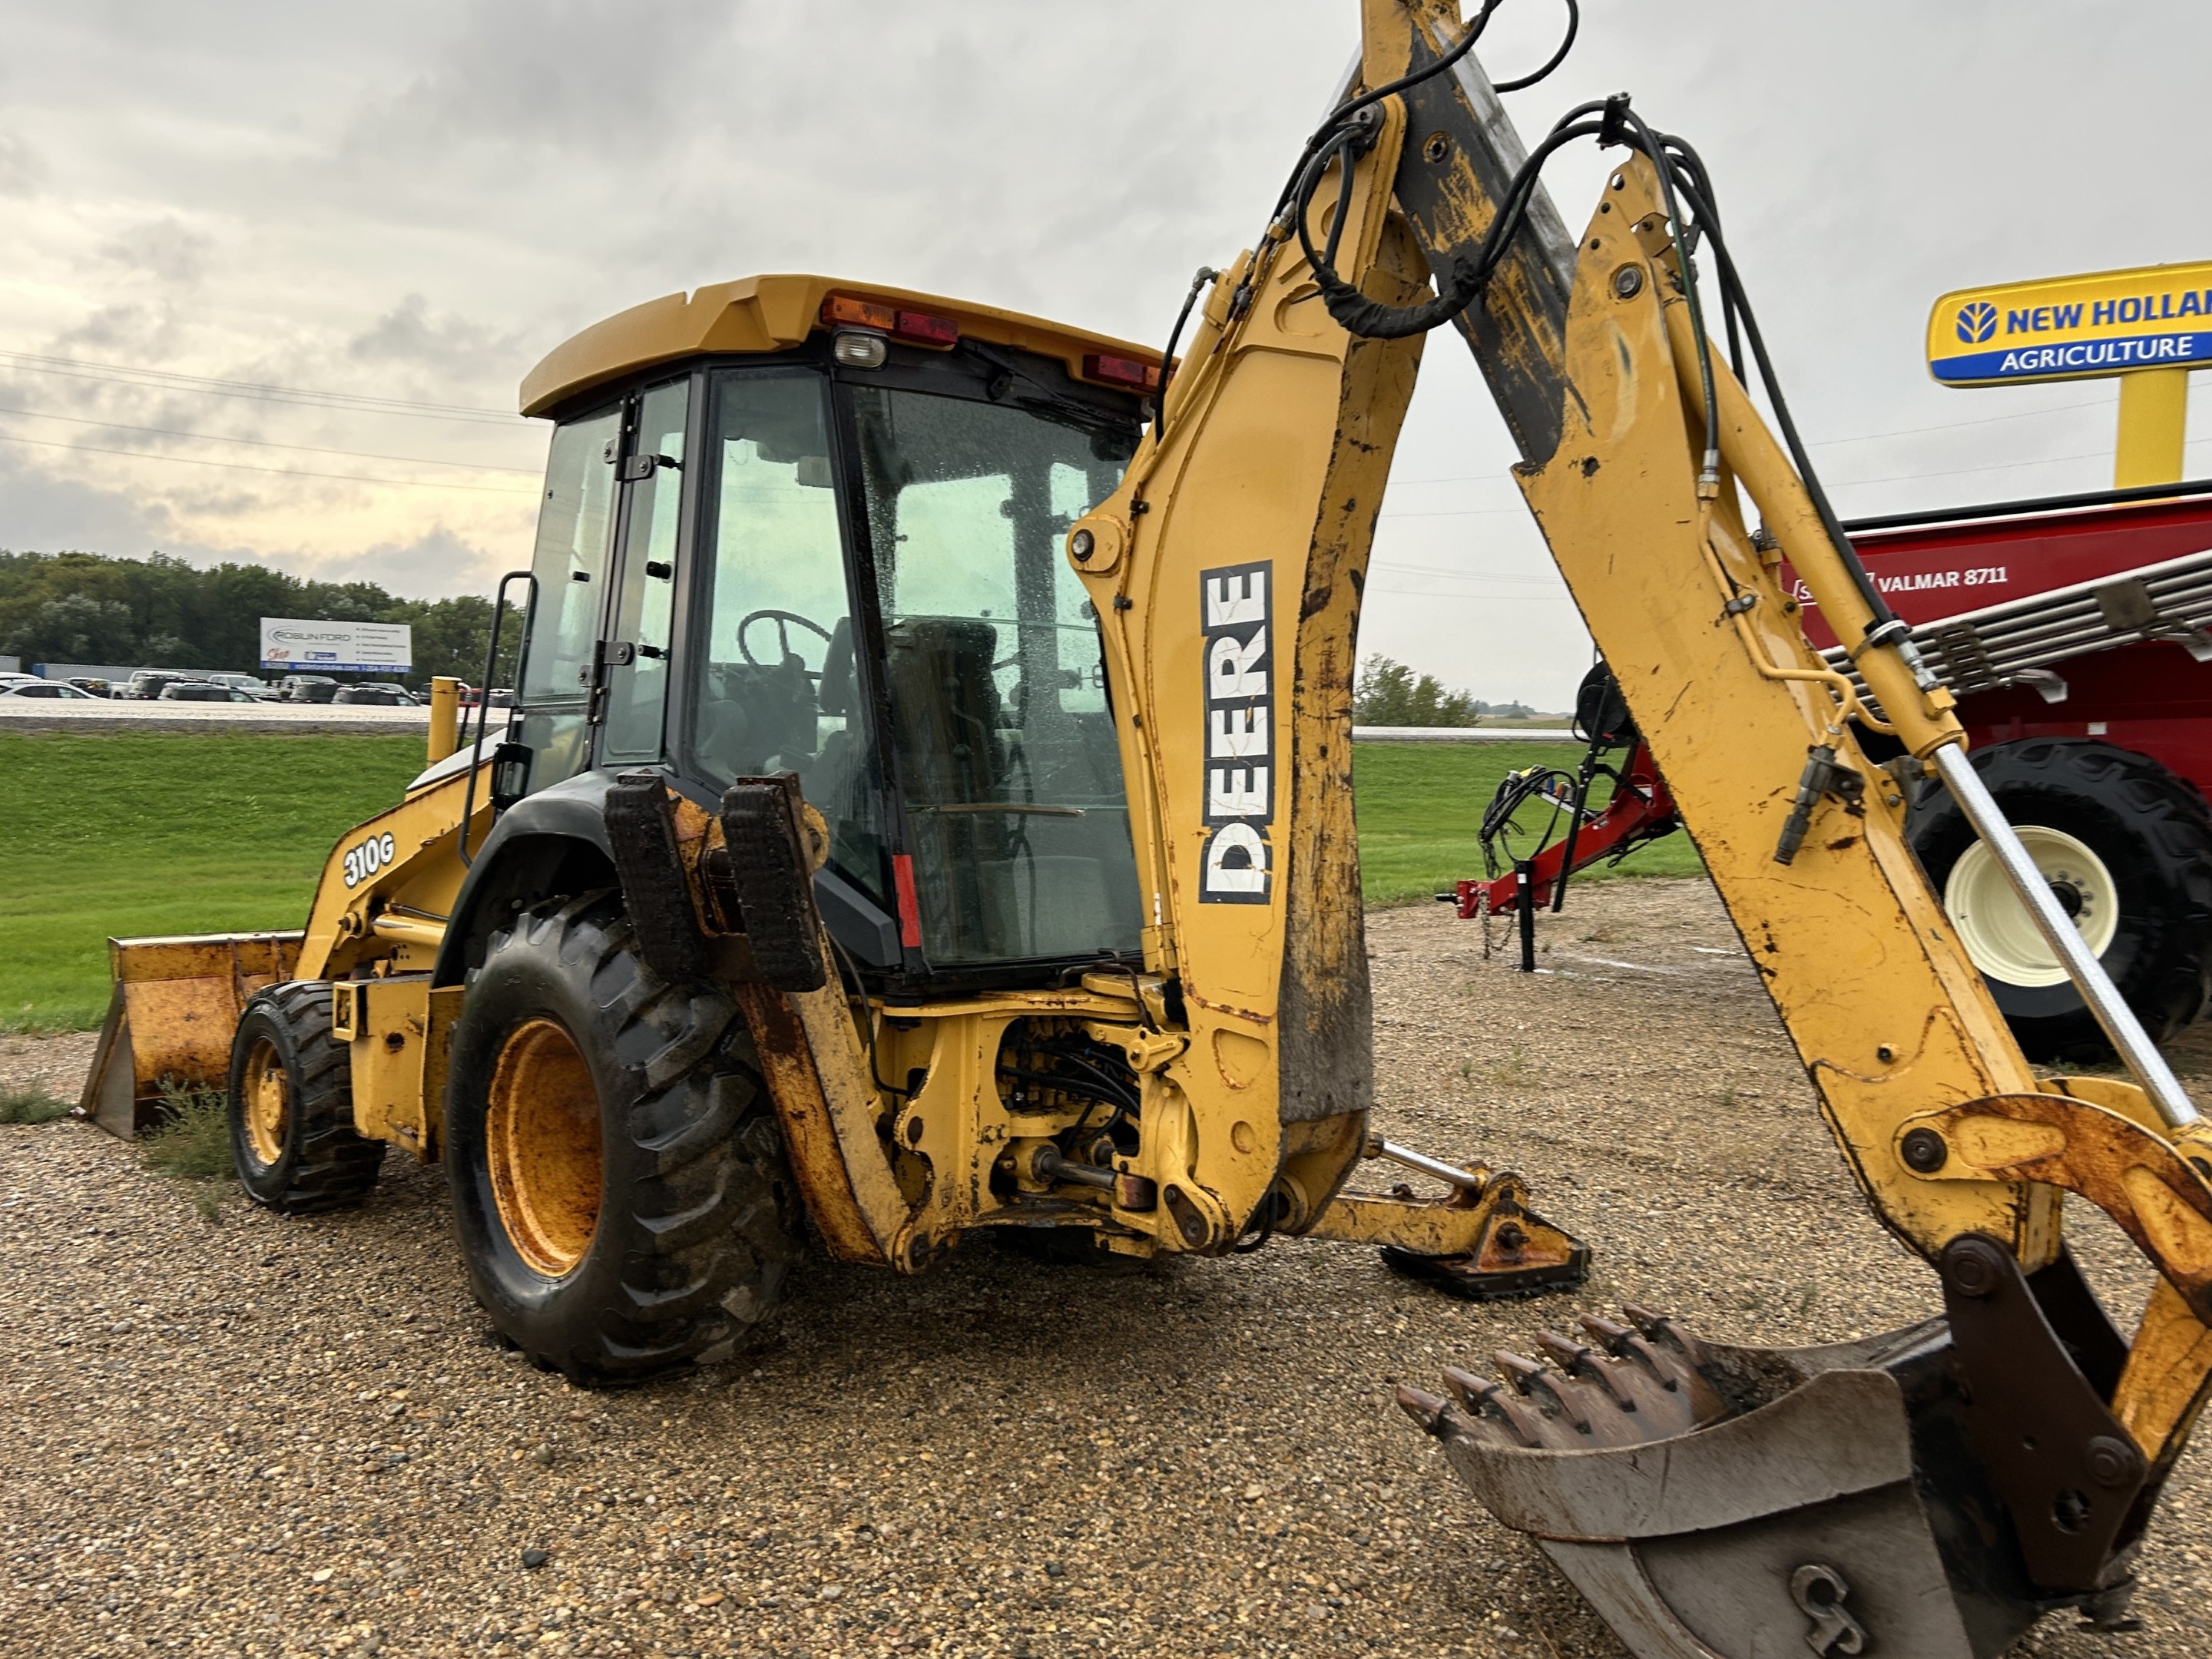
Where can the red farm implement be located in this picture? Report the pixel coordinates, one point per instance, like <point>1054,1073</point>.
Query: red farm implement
<point>2074,633</point>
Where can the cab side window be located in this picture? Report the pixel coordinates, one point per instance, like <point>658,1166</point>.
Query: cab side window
<point>637,670</point>
<point>773,654</point>
<point>570,564</point>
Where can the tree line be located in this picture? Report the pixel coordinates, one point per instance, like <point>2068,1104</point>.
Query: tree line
<point>161,612</point>
<point>1388,693</point>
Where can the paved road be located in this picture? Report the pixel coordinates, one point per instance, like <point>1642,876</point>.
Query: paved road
<point>115,714</point>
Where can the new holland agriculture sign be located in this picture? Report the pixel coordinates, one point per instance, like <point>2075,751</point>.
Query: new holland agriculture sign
<point>335,647</point>
<point>2159,317</point>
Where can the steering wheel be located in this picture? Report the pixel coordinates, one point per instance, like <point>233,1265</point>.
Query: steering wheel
<point>782,619</point>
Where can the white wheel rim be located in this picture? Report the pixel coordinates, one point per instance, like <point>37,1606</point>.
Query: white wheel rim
<point>1994,924</point>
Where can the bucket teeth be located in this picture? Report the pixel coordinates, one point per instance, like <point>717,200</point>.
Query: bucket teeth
<point>1612,1337</point>
<point>1555,1396</point>
<point>1482,1399</point>
<point>1578,1360</point>
<point>1426,1409</point>
<point>1635,1383</point>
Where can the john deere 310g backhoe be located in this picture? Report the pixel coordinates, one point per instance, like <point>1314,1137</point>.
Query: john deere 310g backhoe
<point>928,808</point>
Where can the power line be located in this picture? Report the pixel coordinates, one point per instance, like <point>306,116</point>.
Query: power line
<point>1464,512</point>
<point>281,471</point>
<point>1839,483</point>
<point>1993,466</point>
<point>1485,599</point>
<point>1461,575</point>
<point>1825,443</point>
<point>1950,425</point>
<point>79,368</point>
<point>264,443</point>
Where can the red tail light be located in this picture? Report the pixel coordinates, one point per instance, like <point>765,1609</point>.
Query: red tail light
<point>929,330</point>
<point>1138,376</point>
<point>844,310</point>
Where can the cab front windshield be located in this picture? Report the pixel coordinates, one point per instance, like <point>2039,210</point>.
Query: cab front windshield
<point>1002,740</point>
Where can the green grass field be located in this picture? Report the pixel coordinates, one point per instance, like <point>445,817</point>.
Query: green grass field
<point>125,833</point>
<point>130,833</point>
<point>1421,804</point>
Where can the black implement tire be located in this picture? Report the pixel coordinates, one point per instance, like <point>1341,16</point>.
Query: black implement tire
<point>2152,833</point>
<point>619,1184</point>
<point>290,1105</point>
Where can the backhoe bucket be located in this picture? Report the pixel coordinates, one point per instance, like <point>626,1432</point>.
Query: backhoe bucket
<point>170,1019</point>
<point>1923,1494</point>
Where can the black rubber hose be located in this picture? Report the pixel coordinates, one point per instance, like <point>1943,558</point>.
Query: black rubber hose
<point>1709,473</point>
<point>1574,24</point>
<point>1198,283</point>
<point>1372,318</point>
<point>1343,112</point>
<point>1732,281</point>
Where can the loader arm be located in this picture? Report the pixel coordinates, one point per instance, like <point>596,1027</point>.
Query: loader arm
<point>2011,1452</point>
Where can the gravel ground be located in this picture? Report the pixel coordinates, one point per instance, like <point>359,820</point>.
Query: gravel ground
<point>262,1436</point>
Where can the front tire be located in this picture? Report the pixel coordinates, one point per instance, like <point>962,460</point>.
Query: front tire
<point>290,1106</point>
<point>2127,846</point>
<point>619,1184</point>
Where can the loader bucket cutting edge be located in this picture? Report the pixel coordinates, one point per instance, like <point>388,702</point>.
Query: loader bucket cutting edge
<point>1878,1496</point>
<point>174,1007</point>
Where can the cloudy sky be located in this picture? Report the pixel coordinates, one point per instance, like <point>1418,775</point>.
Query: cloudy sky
<point>216,207</point>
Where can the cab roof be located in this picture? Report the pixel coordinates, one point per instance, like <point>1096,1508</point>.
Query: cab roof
<point>760,314</point>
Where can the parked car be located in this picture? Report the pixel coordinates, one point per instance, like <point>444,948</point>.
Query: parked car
<point>148,684</point>
<point>379,696</point>
<point>45,689</point>
<point>306,688</point>
<point>252,684</point>
<point>91,687</point>
<point>500,697</point>
<point>204,691</point>
<point>12,678</point>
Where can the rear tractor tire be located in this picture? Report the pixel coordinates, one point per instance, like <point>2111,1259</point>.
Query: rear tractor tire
<point>2127,848</point>
<point>292,1138</point>
<point>619,1184</point>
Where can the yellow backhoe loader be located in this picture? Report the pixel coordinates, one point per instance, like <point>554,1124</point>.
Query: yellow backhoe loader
<point>928,809</point>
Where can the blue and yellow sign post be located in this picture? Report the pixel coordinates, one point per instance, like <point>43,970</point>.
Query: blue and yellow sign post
<point>2150,326</point>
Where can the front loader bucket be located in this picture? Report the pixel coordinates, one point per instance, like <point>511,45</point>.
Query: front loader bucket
<point>175,1003</point>
<point>1923,1494</point>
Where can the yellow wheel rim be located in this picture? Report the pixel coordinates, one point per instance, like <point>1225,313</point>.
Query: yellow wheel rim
<point>266,1107</point>
<point>542,1143</point>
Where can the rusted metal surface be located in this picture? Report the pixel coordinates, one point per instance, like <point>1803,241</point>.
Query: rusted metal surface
<point>809,1133</point>
<point>2139,1179</point>
<point>170,1016</point>
<point>2168,1374</point>
<point>542,1146</point>
<point>1478,1242</point>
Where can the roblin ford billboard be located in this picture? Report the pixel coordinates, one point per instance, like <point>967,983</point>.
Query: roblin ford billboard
<point>335,647</point>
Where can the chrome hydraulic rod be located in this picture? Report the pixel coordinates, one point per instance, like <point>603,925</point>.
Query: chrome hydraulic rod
<point>1378,1147</point>
<point>2129,1038</point>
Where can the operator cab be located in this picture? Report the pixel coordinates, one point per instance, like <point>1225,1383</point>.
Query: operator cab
<point>796,526</point>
